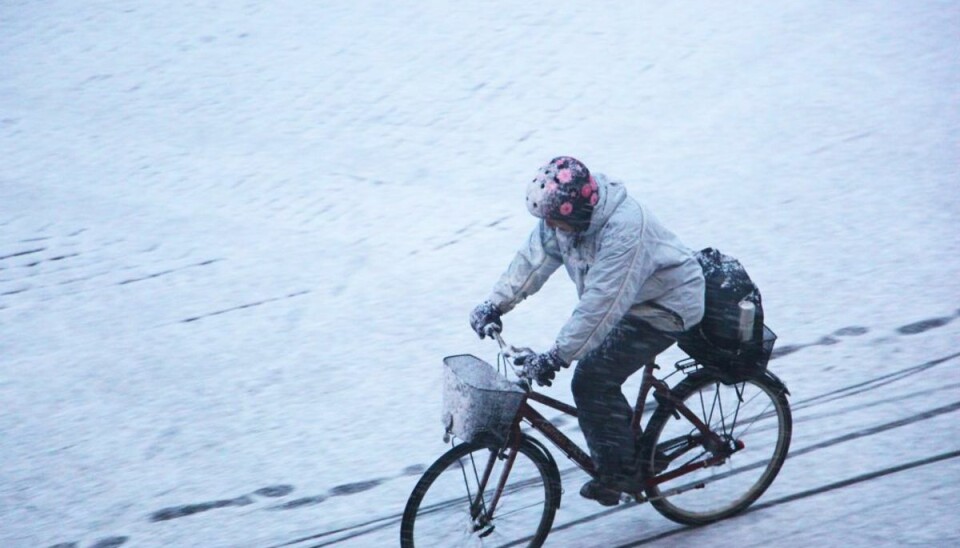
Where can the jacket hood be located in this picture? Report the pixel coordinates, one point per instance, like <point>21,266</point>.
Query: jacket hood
<point>612,194</point>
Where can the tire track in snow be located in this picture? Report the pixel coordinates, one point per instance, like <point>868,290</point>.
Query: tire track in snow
<point>22,253</point>
<point>813,492</point>
<point>788,498</point>
<point>109,542</point>
<point>168,271</point>
<point>244,306</point>
<point>871,384</point>
<point>45,266</point>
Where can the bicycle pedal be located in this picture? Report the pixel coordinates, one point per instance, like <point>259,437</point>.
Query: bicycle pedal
<point>486,531</point>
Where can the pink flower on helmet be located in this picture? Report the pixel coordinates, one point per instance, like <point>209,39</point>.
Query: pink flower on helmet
<point>594,199</point>
<point>551,188</point>
<point>586,191</point>
<point>566,208</point>
<point>564,176</point>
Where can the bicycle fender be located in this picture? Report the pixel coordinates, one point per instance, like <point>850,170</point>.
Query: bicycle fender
<point>554,470</point>
<point>775,381</point>
<point>727,378</point>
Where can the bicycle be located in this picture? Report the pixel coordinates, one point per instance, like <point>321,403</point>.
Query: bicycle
<point>502,486</point>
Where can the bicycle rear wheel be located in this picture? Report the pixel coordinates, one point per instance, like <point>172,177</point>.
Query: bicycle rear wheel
<point>754,424</point>
<point>448,508</point>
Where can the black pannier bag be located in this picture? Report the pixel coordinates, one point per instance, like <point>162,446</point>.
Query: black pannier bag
<point>717,341</point>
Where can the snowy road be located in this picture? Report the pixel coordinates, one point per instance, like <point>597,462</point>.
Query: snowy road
<point>865,468</point>
<point>236,241</point>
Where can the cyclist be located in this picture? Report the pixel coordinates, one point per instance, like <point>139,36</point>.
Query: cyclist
<point>639,288</point>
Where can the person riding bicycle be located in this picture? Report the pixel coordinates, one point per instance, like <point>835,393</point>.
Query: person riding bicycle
<point>639,289</point>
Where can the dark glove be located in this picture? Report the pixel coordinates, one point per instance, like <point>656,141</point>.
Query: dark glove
<point>484,315</point>
<point>541,367</point>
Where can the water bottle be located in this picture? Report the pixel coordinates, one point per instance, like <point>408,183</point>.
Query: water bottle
<point>748,312</point>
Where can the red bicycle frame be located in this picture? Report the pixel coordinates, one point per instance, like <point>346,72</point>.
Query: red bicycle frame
<point>661,392</point>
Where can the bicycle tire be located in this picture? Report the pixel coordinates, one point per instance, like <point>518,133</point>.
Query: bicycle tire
<point>725,489</point>
<point>436,515</point>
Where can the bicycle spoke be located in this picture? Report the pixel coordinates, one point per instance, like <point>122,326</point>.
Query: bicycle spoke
<point>501,515</point>
<point>760,415</point>
<point>703,409</point>
<point>751,424</point>
<point>723,425</point>
<point>740,402</point>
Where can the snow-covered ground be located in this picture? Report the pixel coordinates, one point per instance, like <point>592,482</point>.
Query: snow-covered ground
<point>237,238</point>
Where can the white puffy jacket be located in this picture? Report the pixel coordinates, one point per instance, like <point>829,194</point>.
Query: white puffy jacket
<point>625,263</point>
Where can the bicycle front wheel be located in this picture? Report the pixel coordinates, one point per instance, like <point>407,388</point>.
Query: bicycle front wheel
<point>453,503</point>
<point>753,426</point>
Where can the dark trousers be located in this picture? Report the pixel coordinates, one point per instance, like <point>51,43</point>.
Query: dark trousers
<point>603,411</point>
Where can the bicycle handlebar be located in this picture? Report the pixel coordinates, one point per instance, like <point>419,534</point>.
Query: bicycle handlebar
<point>509,353</point>
<point>508,350</point>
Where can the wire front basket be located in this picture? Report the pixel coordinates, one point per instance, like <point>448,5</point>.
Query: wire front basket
<point>478,403</point>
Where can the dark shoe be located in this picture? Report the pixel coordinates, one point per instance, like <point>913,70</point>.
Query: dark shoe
<point>595,490</point>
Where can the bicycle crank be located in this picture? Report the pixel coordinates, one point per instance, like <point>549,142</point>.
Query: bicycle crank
<point>678,490</point>
<point>640,498</point>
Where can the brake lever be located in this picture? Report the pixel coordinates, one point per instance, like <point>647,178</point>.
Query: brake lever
<point>510,356</point>
<point>508,350</point>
